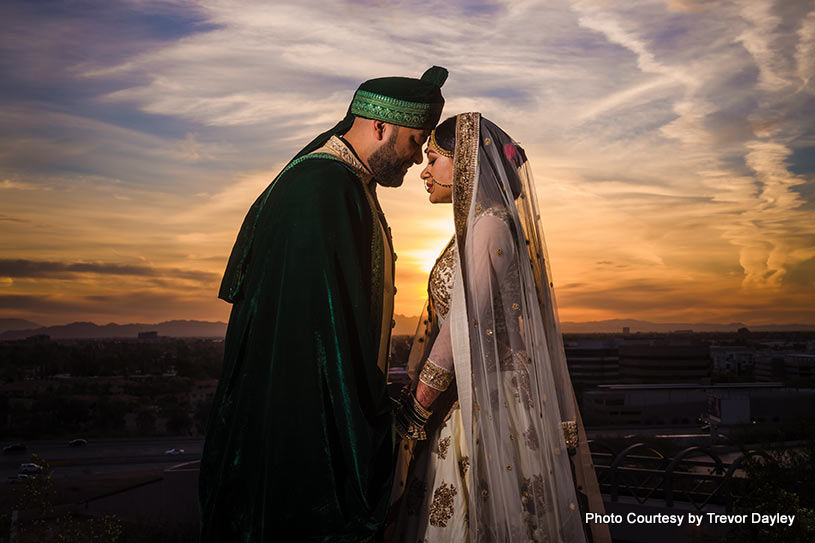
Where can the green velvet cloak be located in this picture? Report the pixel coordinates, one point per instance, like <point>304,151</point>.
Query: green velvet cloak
<point>299,444</point>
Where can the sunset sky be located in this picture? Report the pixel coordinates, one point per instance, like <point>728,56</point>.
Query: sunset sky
<point>672,144</point>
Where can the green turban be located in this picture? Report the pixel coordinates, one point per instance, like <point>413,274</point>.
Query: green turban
<point>394,100</point>
<point>404,101</point>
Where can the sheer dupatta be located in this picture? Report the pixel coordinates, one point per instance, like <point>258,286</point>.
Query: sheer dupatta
<point>511,376</point>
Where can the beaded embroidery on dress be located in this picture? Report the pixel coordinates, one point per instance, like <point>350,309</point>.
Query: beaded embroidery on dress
<point>440,284</point>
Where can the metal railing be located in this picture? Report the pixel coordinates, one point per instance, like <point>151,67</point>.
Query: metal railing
<point>641,471</point>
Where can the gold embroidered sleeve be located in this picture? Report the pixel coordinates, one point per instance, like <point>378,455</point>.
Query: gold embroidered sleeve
<point>570,433</point>
<point>435,376</point>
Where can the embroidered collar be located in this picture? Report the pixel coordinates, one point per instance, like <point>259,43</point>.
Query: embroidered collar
<point>339,148</point>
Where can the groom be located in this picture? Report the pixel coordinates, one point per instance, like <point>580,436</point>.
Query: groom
<point>299,443</point>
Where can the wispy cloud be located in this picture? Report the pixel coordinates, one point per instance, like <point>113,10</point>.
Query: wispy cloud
<point>805,52</point>
<point>8,184</point>
<point>758,39</point>
<point>9,218</point>
<point>32,268</point>
<point>665,136</point>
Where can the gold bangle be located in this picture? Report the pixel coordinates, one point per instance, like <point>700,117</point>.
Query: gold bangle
<point>410,417</point>
<point>435,376</point>
<point>420,409</point>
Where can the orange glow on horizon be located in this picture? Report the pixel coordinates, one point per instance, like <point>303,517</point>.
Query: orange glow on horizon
<point>670,145</point>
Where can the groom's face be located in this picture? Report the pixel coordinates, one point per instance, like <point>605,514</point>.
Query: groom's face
<point>401,148</point>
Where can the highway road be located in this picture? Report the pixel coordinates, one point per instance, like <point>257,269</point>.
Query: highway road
<point>105,455</point>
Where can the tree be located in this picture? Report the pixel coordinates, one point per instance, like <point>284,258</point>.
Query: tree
<point>178,420</point>
<point>783,483</point>
<point>109,416</point>
<point>202,411</point>
<point>146,422</point>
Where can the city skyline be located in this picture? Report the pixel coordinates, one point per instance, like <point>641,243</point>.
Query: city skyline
<point>671,143</point>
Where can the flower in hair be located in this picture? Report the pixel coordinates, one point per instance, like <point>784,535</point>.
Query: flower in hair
<point>514,154</point>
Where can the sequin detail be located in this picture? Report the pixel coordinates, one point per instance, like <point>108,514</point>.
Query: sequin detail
<point>336,147</point>
<point>440,283</point>
<point>515,360</point>
<point>435,376</point>
<point>484,489</point>
<point>464,170</point>
<point>534,504</point>
<point>442,446</point>
<point>532,493</point>
<point>521,388</point>
<point>531,439</point>
<point>569,433</point>
<point>441,509</point>
<point>464,465</point>
<point>497,212</point>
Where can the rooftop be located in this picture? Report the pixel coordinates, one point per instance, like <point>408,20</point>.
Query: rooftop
<point>657,386</point>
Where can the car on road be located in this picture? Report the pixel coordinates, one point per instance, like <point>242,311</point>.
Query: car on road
<point>14,448</point>
<point>174,452</point>
<point>19,477</point>
<point>30,469</point>
<point>78,442</point>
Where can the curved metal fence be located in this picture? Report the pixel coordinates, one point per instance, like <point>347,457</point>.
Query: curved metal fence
<point>696,475</point>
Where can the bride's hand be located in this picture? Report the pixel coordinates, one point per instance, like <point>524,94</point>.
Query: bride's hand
<point>410,417</point>
<point>426,395</point>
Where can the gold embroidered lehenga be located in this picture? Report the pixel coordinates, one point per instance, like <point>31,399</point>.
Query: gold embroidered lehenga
<point>496,465</point>
<point>434,506</point>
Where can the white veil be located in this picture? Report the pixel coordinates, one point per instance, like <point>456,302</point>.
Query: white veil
<point>511,377</point>
<point>513,385</point>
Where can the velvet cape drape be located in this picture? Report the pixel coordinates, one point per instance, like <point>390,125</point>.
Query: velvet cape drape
<point>299,442</point>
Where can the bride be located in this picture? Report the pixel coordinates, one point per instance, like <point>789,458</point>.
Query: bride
<point>497,445</point>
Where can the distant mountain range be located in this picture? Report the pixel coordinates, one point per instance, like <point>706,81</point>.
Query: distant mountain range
<point>17,324</point>
<point>405,325</point>
<point>89,330</point>
<point>617,325</point>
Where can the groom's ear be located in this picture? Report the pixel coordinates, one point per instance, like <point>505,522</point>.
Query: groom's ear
<point>378,128</point>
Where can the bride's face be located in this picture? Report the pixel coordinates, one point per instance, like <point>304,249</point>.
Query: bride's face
<point>437,173</point>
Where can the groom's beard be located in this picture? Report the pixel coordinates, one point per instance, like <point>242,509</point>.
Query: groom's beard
<point>388,170</point>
